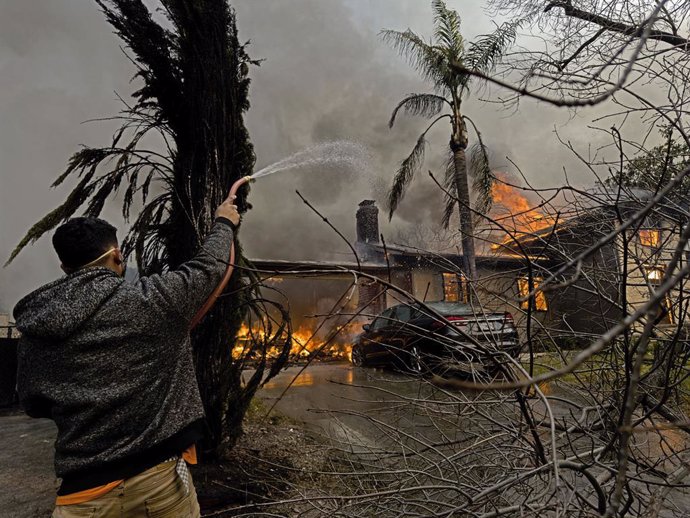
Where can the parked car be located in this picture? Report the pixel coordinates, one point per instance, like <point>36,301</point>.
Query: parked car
<point>414,338</point>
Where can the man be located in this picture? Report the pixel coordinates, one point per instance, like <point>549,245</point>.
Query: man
<point>111,363</point>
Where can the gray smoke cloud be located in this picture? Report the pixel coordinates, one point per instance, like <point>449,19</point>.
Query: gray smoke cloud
<point>327,76</point>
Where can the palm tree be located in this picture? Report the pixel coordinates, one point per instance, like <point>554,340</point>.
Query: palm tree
<point>434,60</point>
<point>181,144</point>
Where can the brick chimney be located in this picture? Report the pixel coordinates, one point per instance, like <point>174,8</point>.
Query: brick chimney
<point>368,222</point>
<point>367,230</point>
<point>367,236</point>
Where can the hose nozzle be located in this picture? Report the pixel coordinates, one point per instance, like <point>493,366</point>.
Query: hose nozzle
<point>239,183</point>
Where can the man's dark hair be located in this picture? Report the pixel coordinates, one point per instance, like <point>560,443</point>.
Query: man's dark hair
<point>81,240</point>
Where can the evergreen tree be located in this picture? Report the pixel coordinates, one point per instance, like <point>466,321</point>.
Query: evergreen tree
<point>194,93</point>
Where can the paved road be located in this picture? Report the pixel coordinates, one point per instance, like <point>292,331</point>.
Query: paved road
<point>369,410</point>
<point>27,483</point>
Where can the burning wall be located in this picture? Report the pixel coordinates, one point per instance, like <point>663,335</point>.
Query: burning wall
<point>319,314</point>
<point>305,342</point>
<point>515,211</point>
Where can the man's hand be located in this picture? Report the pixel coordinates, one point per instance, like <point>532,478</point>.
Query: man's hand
<point>229,211</point>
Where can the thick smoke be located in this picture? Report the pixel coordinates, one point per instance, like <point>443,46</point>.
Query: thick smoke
<point>326,76</point>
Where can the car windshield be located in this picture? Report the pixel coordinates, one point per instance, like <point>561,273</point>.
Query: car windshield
<point>403,313</point>
<point>383,320</point>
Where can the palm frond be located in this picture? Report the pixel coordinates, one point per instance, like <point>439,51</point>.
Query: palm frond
<point>408,168</point>
<point>82,161</point>
<point>447,29</point>
<point>482,177</point>
<point>143,239</point>
<point>108,185</point>
<point>485,52</point>
<point>94,187</point>
<point>48,222</point>
<point>428,60</point>
<point>424,105</point>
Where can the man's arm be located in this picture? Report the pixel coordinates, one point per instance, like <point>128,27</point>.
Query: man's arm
<point>184,290</point>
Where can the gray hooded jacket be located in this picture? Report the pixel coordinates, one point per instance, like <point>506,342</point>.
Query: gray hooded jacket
<point>111,362</point>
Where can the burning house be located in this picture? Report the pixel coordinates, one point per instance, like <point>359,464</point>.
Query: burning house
<point>595,290</point>
<point>434,277</point>
<point>586,298</point>
<point>313,288</point>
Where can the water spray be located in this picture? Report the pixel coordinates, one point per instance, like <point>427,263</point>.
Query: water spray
<point>340,152</point>
<point>231,263</point>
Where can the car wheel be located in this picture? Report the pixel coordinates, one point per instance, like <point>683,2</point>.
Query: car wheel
<point>357,357</point>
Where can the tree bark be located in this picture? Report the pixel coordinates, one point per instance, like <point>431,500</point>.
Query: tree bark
<point>466,220</point>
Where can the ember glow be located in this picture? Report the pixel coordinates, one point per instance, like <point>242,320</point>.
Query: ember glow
<point>304,343</point>
<point>514,211</point>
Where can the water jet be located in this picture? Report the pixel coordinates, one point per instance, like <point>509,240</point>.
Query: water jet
<point>335,152</point>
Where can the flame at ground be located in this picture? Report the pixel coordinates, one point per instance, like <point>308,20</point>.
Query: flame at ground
<point>514,211</point>
<point>304,344</point>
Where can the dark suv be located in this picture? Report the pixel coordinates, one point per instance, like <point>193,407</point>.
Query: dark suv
<point>414,338</point>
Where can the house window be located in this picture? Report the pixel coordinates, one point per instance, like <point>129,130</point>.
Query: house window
<point>454,287</point>
<point>539,298</point>
<point>654,275</point>
<point>650,237</point>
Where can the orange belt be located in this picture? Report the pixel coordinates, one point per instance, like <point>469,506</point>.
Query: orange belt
<point>189,455</point>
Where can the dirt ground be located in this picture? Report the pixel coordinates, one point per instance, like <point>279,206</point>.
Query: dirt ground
<point>274,456</point>
<point>275,460</point>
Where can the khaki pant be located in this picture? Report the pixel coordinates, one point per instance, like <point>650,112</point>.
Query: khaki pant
<point>155,493</point>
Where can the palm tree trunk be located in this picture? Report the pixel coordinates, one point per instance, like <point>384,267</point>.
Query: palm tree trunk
<point>466,219</point>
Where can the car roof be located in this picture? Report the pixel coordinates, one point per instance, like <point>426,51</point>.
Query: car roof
<point>450,308</point>
<point>444,308</point>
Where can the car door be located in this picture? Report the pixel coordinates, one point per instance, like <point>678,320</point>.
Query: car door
<point>396,334</point>
<point>375,340</point>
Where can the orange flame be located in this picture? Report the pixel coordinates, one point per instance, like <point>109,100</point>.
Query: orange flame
<point>304,343</point>
<point>514,211</point>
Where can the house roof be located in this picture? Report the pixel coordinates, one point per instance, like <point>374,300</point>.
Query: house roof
<point>597,204</point>
<point>405,258</point>
<point>497,258</point>
<point>316,267</point>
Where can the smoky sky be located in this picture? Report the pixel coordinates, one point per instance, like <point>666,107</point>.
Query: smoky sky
<point>326,76</point>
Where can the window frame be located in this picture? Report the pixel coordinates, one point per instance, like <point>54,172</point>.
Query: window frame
<point>459,282</point>
<point>666,302</point>
<point>654,237</point>
<point>541,304</point>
